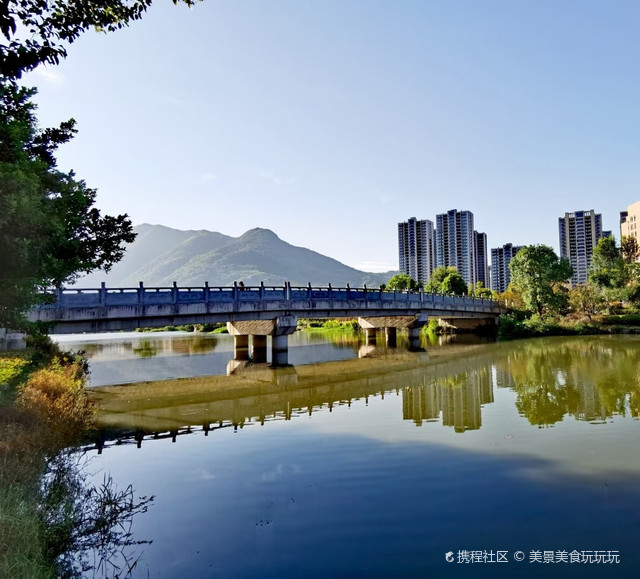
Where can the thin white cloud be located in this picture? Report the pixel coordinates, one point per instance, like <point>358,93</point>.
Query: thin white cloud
<point>386,198</point>
<point>50,75</point>
<point>175,101</point>
<point>202,178</point>
<point>278,180</point>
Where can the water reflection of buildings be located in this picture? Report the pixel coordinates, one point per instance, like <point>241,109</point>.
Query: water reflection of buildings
<point>459,398</point>
<point>259,394</point>
<point>547,388</point>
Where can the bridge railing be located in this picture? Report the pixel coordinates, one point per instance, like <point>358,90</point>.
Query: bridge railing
<point>141,295</point>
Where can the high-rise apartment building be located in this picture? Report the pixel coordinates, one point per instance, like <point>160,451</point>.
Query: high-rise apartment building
<point>455,243</point>
<point>500,272</point>
<point>416,248</point>
<point>629,221</point>
<point>482,264</point>
<point>579,234</point>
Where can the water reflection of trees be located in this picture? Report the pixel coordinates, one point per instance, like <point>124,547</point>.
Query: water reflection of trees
<point>88,526</point>
<point>590,379</point>
<point>145,349</point>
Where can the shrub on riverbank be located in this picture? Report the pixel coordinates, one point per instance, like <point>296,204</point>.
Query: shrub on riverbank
<point>43,408</point>
<point>57,396</point>
<point>331,325</point>
<point>510,327</point>
<point>50,516</point>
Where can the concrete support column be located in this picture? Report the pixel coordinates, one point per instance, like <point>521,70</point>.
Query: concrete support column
<point>371,336</point>
<point>414,338</point>
<point>390,336</point>
<point>280,350</point>
<point>241,347</point>
<point>259,349</point>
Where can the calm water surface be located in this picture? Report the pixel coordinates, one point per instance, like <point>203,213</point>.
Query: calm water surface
<point>368,462</point>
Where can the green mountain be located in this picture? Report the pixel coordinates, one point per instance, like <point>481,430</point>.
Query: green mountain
<point>161,255</point>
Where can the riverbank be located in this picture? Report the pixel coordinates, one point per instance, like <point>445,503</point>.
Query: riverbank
<point>44,408</point>
<point>511,327</point>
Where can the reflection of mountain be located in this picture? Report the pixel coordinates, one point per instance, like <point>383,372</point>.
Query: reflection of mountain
<point>458,397</point>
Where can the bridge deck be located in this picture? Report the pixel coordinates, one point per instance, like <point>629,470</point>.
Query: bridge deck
<point>109,309</point>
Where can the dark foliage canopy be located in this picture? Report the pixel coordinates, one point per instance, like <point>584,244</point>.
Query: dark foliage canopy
<point>37,31</point>
<point>49,229</point>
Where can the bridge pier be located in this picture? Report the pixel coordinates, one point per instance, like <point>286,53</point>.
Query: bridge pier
<point>280,328</point>
<point>390,335</point>
<point>390,324</point>
<point>280,350</point>
<point>241,347</point>
<point>259,349</point>
<point>371,334</point>
<point>468,324</point>
<point>414,338</point>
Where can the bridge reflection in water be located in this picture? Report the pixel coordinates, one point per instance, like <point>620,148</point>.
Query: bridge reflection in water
<point>551,379</point>
<point>257,393</point>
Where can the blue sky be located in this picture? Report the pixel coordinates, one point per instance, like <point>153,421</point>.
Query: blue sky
<point>331,121</point>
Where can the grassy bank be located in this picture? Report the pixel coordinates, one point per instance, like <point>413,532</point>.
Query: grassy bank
<point>209,328</point>
<point>513,327</point>
<point>51,518</point>
<point>328,325</point>
<point>43,408</point>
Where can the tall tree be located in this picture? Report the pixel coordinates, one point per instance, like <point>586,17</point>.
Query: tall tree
<point>536,272</point>
<point>608,268</point>
<point>586,298</point>
<point>454,285</point>
<point>37,32</point>
<point>434,285</point>
<point>49,229</point>
<point>629,248</point>
<point>402,282</point>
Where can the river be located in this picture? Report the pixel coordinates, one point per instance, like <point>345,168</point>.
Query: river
<point>470,459</point>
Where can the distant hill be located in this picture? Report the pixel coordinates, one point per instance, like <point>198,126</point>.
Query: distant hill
<point>161,255</point>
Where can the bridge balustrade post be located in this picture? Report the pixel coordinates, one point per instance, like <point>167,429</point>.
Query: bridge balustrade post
<point>103,294</point>
<point>309,290</point>
<point>348,291</point>
<point>261,290</point>
<point>421,294</point>
<point>395,294</point>
<point>140,294</point>
<point>235,291</point>
<point>330,292</point>
<point>287,290</point>
<point>364,291</point>
<point>174,293</point>
<point>206,292</point>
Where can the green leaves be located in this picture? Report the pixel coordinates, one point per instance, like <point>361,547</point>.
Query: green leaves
<point>49,229</point>
<point>608,269</point>
<point>446,280</point>
<point>53,25</point>
<point>402,282</point>
<point>537,273</point>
